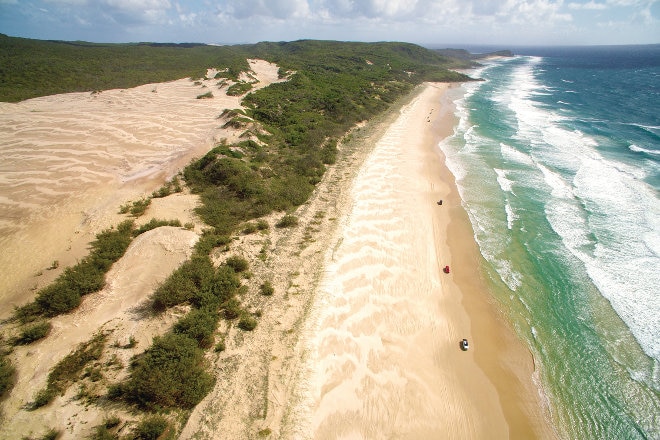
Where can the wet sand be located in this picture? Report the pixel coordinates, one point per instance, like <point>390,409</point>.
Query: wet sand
<point>382,342</point>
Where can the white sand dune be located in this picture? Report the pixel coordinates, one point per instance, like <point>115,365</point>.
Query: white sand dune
<point>116,308</point>
<point>69,161</point>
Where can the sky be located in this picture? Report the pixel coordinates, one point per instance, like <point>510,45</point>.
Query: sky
<point>449,23</point>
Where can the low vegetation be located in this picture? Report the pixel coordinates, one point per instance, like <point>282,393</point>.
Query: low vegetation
<point>66,292</point>
<point>170,374</point>
<point>40,68</point>
<point>136,208</point>
<point>68,370</point>
<point>33,332</point>
<point>7,375</point>
<point>155,223</point>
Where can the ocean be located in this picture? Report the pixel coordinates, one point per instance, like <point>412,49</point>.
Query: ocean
<point>557,159</point>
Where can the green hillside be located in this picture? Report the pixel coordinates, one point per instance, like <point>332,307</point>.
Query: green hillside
<point>31,68</point>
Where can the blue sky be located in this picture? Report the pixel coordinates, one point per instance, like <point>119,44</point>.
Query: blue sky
<point>441,22</point>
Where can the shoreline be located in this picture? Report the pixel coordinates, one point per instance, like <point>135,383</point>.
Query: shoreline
<point>505,359</point>
<point>349,336</point>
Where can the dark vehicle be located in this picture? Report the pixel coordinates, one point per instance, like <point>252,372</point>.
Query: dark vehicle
<point>465,345</point>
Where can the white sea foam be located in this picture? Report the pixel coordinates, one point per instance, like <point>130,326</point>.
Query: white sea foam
<point>513,155</point>
<point>603,211</point>
<point>637,149</point>
<point>622,214</point>
<point>510,215</point>
<point>559,187</point>
<point>505,184</point>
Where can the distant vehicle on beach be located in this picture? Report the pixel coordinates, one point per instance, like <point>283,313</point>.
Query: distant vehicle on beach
<point>446,269</point>
<point>439,202</point>
<point>465,345</point>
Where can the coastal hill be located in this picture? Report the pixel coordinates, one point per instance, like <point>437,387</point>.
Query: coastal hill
<point>463,54</point>
<point>31,68</point>
<point>170,245</point>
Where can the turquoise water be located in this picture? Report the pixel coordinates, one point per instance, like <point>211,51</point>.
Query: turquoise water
<point>557,159</point>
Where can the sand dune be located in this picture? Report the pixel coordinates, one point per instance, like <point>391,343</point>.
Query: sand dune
<point>116,308</point>
<point>69,161</point>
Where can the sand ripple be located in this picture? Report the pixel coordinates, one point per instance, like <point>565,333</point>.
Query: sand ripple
<point>382,357</point>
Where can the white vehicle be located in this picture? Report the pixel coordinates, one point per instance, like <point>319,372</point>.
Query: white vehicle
<point>465,345</point>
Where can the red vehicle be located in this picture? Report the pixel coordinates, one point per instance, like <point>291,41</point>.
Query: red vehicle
<point>446,269</point>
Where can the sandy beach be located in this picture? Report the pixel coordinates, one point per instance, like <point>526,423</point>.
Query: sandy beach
<point>382,355</point>
<point>361,339</point>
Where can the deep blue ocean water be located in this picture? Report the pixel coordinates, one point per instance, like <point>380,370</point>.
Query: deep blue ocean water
<point>557,159</point>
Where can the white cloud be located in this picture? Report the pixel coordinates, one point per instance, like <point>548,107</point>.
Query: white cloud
<point>136,12</point>
<point>538,21</point>
<point>138,5</point>
<point>591,6</point>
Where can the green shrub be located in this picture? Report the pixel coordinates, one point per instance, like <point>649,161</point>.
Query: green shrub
<point>155,223</point>
<point>287,221</point>
<point>266,288</point>
<point>58,298</point>
<point>250,228</point>
<point>186,283</point>
<point>239,88</point>
<point>170,374</point>
<point>151,428</point>
<point>231,309</point>
<point>137,208</point>
<point>262,225</point>
<point>210,241</point>
<point>51,434</point>
<point>206,95</point>
<point>68,369</point>
<point>223,286</point>
<point>43,398</point>
<point>247,322</point>
<point>116,391</point>
<point>200,325</point>
<point>329,152</point>
<point>111,422</point>
<point>238,263</point>
<point>33,333</point>
<point>102,432</point>
<point>220,346</point>
<point>7,375</point>
<point>64,294</point>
